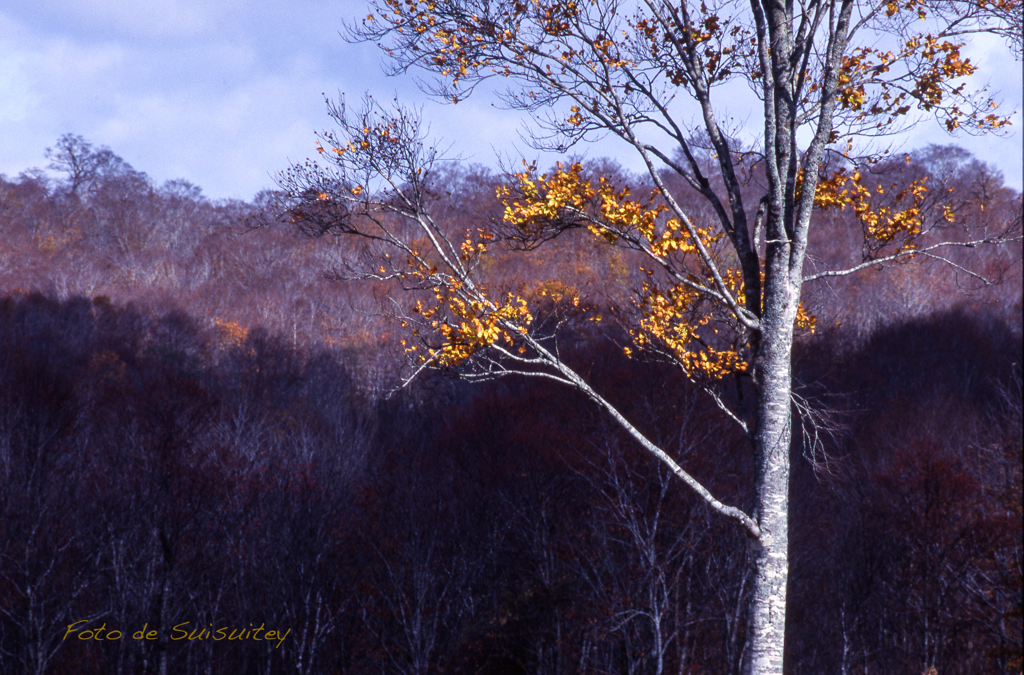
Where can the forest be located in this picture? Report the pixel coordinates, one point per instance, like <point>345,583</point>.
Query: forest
<point>207,441</point>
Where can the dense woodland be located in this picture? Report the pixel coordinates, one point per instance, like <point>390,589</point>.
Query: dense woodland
<point>200,429</point>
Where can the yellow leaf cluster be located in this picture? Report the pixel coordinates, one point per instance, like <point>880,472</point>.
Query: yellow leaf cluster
<point>543,199</point>
<point>465,319</point>
<point>671,320</point>
<point>883,223</point>
<point>676,238</point>
<point>566,196</point>
<point>475,245</point>
<point>670,317</point>
<point>805,319</point>
<point>473,325</point>
<point>617,209</point>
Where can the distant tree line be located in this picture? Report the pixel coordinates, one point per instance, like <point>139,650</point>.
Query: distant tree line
<point>105,229</point>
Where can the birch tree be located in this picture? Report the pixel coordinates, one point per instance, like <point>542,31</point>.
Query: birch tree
<point>721,297</point>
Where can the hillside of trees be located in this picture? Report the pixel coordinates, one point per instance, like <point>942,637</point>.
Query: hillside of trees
<point>202,435</point>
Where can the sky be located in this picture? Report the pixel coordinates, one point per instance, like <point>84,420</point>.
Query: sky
<point>227,93</point>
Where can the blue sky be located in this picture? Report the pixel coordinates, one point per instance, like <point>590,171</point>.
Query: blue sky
<point>225,93</point>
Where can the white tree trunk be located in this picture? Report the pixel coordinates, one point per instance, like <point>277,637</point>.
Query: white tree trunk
<point>767,624</point>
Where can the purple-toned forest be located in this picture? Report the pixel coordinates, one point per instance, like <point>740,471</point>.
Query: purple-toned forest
<point>203,443</point>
